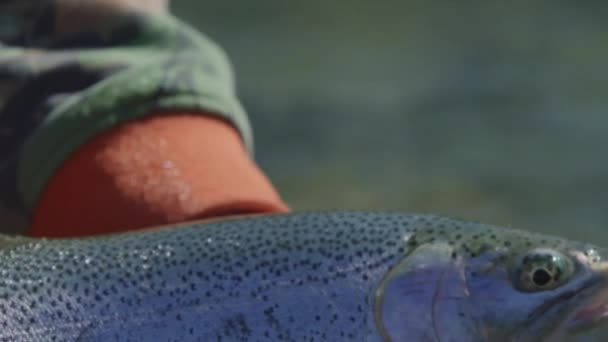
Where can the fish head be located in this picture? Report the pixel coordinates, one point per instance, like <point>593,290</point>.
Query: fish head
<point>538,293</point>
<point>492,284</point>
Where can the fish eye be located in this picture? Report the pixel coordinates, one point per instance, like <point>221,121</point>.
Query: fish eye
<point>541,270</point>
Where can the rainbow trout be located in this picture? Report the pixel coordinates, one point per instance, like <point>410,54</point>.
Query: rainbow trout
<point>334,276</point>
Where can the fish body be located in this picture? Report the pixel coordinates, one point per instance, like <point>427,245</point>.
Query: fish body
<point>333,276</point>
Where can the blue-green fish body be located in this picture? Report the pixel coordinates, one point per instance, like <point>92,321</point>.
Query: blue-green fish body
<point>336,276</point>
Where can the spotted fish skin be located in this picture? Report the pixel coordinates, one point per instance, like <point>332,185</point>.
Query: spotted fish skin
<point>308,276</point>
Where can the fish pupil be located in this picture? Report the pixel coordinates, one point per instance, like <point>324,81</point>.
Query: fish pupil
<point>541,277</point>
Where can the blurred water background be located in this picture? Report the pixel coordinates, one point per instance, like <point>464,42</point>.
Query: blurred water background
<point>493,111</point>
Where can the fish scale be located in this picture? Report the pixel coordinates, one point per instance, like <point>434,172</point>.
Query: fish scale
<point>306,276</point>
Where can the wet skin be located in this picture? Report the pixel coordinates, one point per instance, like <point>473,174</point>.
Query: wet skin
<point>328,276</point>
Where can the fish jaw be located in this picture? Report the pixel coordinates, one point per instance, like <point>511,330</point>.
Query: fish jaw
<point>593,311</point>
<point>591,314</point>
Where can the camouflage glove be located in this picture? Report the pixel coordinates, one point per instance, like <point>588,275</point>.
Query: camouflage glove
<point>60,87</point>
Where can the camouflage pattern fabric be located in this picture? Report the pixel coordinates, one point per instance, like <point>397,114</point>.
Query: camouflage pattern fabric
<point>59,90</point>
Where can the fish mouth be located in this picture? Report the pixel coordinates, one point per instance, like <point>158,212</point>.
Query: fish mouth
<point>593,309</point>
<point>591,313</point>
